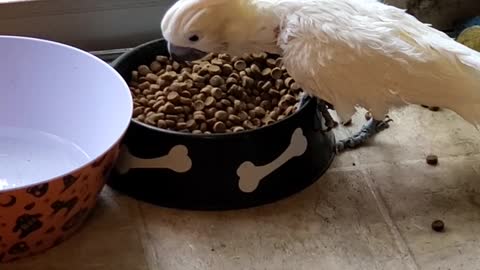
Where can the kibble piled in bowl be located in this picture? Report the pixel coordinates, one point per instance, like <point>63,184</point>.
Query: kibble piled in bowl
<point>219,94</point>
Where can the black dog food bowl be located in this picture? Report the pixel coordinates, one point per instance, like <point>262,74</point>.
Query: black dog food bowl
<point>221,171</point>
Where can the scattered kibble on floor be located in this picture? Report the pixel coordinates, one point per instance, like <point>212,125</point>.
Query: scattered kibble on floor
<point>438,226</point>
<point>432,160</point>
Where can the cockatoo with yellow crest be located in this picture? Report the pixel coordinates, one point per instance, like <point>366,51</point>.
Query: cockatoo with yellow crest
<point>350,53</point>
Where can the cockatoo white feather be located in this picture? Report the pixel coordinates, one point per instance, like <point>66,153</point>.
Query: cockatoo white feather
<point>347,52</point>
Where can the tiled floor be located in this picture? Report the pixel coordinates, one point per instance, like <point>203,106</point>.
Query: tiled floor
<point>375,214</point>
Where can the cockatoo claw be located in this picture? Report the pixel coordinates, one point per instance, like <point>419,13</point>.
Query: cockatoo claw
<point>382,125</point>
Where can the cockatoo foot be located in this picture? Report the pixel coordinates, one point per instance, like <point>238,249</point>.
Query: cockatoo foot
<point>323,108</point>
<point>370,129</point>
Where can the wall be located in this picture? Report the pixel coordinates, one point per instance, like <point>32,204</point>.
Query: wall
<point>441,14</point>
<point>87,24</point>
<point>110,24</point>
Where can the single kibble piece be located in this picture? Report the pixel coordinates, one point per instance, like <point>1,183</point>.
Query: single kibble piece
<point>248,124</point>
<point>295,86</point>
<point>155,66</point>
<point>175,65</point>
<point>255,69</point>
<point>199,116</point>
<point>134,76</point>
<point>243,116</point>
<point>438,226</point>
<point>162,59</point>
<point>274,93</point>
<point>179,109</point>
<point>198,105</point>
<point>154,88</point>
<point>162,124</point>
<point>169,108</point>
<point>271,62</point>
<point>240,65</point>
<point>170,123</point>
<point>266,72</point>
<point>279,85</point>
<point>227,69</point>
<point>238,129</point>
<point>432,160</point>
<point>247,82</point>
<point>143,70</point>
<point>191,124</point>
<point>185,101</point>
<point>210,112</point>
<point>219,127</point>
<point>137,111</point>
<point>214,69</point>
<point>143,101</point>
<point>151,78</point>
<point>173,96</point>
<point>217,93</point>
<point>259,56</point>
<point>276,73</point>
<point>168,76</point>
<point>144,85</point>
<point>186,94</point>
<point>217,61</point>
<point>210,101</point>
<point>230,81</point>
<point>259,112</point>
<point>221,115</point>
<point>171,117</point>
<point>181,125</point>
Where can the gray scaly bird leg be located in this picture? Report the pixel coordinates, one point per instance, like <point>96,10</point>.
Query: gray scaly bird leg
<point>370,129</point>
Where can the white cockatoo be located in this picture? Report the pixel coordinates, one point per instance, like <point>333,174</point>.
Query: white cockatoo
<point>350,53</point>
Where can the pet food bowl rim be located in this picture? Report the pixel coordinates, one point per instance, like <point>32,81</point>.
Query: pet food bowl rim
<point>112,145</point>
<point>123,58</point>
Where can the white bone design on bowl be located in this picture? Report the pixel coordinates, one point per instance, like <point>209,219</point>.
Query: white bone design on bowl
<point>176,160</point>
<point>251,175</point>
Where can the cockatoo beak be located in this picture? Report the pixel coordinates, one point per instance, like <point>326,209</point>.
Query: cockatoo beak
<point>184,54</point>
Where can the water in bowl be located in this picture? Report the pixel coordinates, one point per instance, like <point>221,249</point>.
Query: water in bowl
<point>29,156</point>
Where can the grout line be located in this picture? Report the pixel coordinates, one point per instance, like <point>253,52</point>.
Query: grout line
<point>406,254</point>
<point>151,257</point>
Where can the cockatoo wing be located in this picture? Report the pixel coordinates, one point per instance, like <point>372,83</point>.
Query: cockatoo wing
<point>379,61</point>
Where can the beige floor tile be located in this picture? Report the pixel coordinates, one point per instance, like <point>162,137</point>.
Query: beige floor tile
<point>415,195</point>
<point>335,224</point>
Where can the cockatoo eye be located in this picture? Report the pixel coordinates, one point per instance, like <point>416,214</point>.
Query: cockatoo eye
<point>193,38</point>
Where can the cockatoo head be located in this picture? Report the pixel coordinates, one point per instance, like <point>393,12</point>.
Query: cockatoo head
<point>194,28</point>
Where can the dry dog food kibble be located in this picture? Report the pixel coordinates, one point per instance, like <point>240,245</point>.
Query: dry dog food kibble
<point>432,160</point>
<point>218,94</point>
<point>438,226</point>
